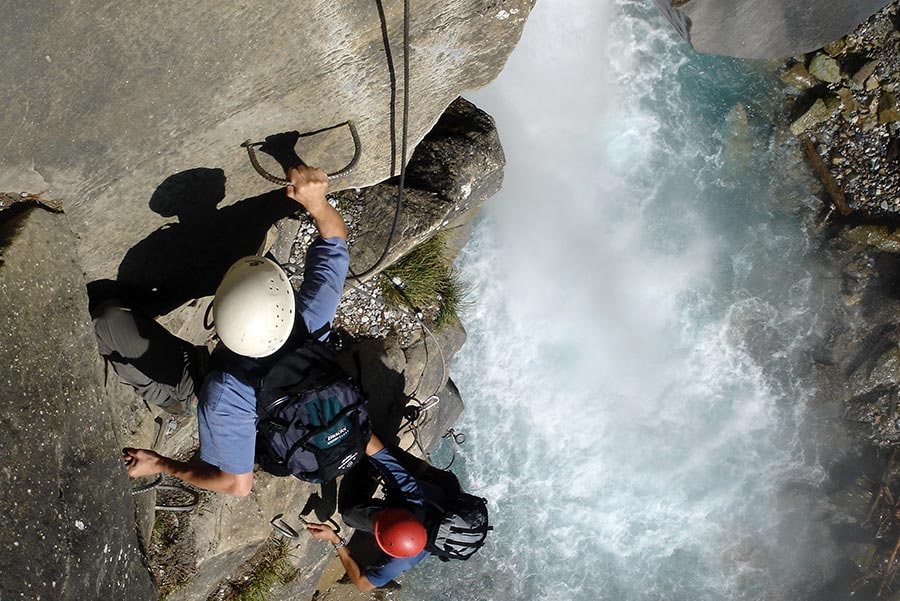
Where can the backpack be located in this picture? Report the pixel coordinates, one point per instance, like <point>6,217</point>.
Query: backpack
<point>313,421</point>
<point>455,521</point>
<point>459,528</point>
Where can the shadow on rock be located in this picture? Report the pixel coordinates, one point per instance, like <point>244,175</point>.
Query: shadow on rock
<point>378,369</point>
<point>186,259</point>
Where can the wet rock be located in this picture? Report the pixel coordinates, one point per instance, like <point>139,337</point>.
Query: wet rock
<point>825,68</point>
<point>766,28</point>
<point>883,373</point>
<point>68,520</point>
<point>798,77</point>
<point>817,113</point>
<point>738,144</point>
<point>888,110</point>
<point>881,237</point>
<point>860,77</point>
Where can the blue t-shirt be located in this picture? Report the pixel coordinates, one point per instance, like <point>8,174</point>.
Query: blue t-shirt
<point>381,575</point>
<point>226,413</point>
<point>400,489</point>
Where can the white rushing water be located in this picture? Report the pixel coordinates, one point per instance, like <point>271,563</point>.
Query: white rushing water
<point>640,289</point>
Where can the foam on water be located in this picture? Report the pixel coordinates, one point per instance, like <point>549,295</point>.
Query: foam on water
<point>640,289</point>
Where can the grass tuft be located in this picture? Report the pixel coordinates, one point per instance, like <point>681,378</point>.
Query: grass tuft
<point>272,568</point>
<point>424,278</point>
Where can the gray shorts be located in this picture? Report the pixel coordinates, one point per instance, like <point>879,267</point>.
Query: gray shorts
<point>146,356</point>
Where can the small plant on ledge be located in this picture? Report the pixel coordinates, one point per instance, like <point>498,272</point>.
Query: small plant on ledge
<point>424,279</point>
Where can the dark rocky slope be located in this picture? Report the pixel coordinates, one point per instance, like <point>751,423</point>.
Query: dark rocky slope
<point>844,110</point>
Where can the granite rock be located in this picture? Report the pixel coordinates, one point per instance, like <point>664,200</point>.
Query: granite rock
<point>765,28</point>
<point>68,518</point>
<point>102,106</point>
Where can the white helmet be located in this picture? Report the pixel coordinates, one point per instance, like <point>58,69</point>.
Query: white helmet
<point>254,307</point>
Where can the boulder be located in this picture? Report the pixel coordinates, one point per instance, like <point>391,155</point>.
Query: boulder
<point>765,28</point>
<point>817,113</point>
<point>824,68</point>
<point>798,76</point>
<point>104,105</point>
<point>453,171</point>
<point>68,518</point>
<point>864,72</point>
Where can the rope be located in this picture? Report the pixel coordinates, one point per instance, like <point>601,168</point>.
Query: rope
<point>400,193</point>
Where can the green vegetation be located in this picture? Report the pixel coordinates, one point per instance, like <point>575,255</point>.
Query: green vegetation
<point>171,553</point>
<point>425,279</point>
<point>270,567</point>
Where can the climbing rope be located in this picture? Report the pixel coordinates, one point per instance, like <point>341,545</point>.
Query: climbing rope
<point>398,207</point>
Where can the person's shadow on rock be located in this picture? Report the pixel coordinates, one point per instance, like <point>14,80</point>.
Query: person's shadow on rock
<point>187,259</point>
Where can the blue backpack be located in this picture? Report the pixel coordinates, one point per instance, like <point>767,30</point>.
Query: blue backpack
<point>313,422</point>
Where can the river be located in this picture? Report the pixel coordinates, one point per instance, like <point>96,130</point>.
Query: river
<point>641,294</point>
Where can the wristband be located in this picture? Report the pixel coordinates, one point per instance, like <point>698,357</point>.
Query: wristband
<point>341,542</point>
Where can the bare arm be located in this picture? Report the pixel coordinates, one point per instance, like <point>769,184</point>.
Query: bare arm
<point>323,532</point>
<point>144,462</point>
<point>309,186</point>
<point>374,445</point>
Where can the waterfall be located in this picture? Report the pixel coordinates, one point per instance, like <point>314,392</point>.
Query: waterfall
<point>641,292</point>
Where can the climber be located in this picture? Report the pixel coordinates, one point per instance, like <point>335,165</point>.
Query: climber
<point>396,522</point>
<point>424,512</point>
<point>168,372</point>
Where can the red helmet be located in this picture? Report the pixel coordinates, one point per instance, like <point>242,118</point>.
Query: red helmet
<point>399,533</point>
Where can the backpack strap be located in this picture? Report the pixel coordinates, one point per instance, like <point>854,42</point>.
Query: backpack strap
<point>320,333</point>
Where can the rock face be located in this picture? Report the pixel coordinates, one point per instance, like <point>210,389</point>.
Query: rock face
<point>847,107</point>
<point>67,530</point>
<point>764,28</point>
<point>132,117</point>
<point>457,167</point>
<point>105,101</point>
<point>865,344</point>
